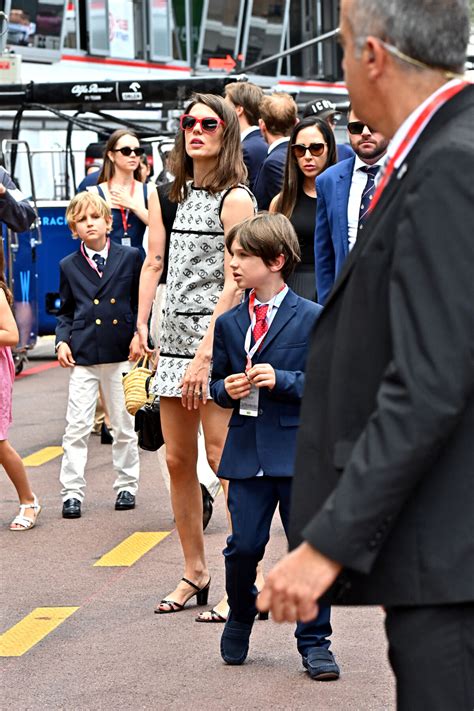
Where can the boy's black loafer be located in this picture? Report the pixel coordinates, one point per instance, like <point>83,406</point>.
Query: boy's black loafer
<point>72,508</point>
<point>320,664</point>
<point>235,642</point>
<point>125,500</point>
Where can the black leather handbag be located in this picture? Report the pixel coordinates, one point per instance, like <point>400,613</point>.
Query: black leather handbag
<point>148,426</point>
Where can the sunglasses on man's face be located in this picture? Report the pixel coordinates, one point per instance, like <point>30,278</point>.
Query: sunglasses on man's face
<point>127,151</point>
<point>356,128</point>
<point>209,124</point>
<point>316,149</point>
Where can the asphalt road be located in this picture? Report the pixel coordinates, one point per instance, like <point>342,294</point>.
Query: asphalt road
<point>111,651</point>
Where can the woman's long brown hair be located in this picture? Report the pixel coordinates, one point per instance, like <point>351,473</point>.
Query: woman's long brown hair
<point>294,177</point>
<point>229,168</point>
<point>108,168</point>
<point>3,283</point>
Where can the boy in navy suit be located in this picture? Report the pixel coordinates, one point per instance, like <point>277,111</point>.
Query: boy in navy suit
<point>95,336</point>
<point>259,358</point>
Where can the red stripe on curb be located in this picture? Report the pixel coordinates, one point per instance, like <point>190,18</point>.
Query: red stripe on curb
<point>37,369</point>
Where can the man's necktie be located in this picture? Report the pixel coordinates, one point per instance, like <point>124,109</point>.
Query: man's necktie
<point>368,193</point>
<point>261,325</point>
<point>100,262</point>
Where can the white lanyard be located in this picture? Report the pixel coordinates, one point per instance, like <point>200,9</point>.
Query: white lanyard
<point>250,352</point>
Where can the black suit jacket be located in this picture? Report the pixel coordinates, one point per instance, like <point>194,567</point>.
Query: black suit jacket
<point>270,176</point>
<point>97,316</point>
<point>385,462</point>
<point>254,149</point>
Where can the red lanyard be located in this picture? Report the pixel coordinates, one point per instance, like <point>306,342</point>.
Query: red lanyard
<point>413,134</point>
<point>125,213</point>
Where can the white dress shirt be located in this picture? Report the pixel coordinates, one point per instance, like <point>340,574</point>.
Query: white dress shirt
<point>358,183</point>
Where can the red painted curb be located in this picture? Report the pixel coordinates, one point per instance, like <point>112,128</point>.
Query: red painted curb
<point>37,369</point>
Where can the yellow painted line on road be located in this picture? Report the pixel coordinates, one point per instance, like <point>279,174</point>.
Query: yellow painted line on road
<point>32,629</point>
<point>132,548</point>
<point>42,456</point>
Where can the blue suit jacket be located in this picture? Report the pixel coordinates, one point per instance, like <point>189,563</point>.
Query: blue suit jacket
<point>344,151</point>
<point>270,177</point>
<point>331,240</point>
<point>254,149</point>
<point>268,441</point>
<point>98,314</point>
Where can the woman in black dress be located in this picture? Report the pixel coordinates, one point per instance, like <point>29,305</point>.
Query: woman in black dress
<point>312,149</point>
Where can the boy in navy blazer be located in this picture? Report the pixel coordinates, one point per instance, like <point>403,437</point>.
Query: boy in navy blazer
<point>95,337</point>
<point>258,370</point>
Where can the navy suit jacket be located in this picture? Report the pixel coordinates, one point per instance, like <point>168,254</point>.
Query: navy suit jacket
<point>254,149</point>
<point>97,316</point>
<point>331,239</point>
<point>87,181</point>
<point>266,442</point>
<point>270,177</point>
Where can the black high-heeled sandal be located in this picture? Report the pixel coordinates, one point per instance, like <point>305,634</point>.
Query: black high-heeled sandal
<point>202,596</point>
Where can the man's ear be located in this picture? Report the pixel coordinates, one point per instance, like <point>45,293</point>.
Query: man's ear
<point>374,57</point>
<point>239,110</point>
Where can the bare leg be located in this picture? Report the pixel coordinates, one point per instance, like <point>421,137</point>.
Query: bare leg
<point>11,461</point>
<point>180,431</point>
<point>214,424</point>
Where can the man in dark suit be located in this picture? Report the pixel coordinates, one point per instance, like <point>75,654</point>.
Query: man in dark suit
<point>383,492</point>
<point>245,98</point>
<point>344,193</point>
<point>278,116</point>
<point>15,210</point>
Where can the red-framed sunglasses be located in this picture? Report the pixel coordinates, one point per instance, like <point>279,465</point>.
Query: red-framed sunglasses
<point>209,124</point>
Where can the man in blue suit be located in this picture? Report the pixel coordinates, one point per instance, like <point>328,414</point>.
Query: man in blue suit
<point>344,192</point>
<point>245,98</point>
<point>258,370</point>
<point>278,115</point>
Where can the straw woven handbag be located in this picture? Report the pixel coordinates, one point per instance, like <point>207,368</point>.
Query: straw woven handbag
<point>135,385</point>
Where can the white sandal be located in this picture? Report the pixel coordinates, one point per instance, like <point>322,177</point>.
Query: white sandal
<point>25,521</point>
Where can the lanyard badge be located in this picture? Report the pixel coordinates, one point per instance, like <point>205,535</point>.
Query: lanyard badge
<point>249,404</point>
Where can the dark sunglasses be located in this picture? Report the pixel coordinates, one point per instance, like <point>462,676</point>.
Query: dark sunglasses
<point>356,128</point>
<point>316,149</point>
<point>208,124</point>
<point>127,151</point>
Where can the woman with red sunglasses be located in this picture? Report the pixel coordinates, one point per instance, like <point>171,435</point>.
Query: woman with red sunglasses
<point>311,149</point>
<point>208,188</point>
<point>121,186</point>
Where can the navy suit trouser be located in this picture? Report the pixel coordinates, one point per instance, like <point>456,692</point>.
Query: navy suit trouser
<point>252,504</point>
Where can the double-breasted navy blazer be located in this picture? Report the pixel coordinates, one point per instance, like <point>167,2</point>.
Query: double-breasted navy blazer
<point>270,177</point>
<point>268,441</point>
<point>97,315</point>
<point>254,149</point>
<point>331,237</point>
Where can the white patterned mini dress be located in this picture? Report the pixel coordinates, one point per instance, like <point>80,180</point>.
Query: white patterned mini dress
<point>193,286</point>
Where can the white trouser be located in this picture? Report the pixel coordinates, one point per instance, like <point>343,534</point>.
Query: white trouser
<point>83,389</point>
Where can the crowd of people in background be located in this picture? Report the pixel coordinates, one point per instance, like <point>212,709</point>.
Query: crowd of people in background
<point>231,261</point>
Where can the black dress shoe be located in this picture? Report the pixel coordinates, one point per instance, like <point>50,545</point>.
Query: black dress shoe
<point>72,508</point>
<point>105,435</point>
<point>235,642</point>
<point>207,509</point>
<point>320,664</point>
<point>125,500</point>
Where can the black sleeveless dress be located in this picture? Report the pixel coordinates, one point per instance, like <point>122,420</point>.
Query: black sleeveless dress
<point>303,219</point>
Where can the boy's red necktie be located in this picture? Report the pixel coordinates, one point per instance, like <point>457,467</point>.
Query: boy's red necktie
<point>261,325</point>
